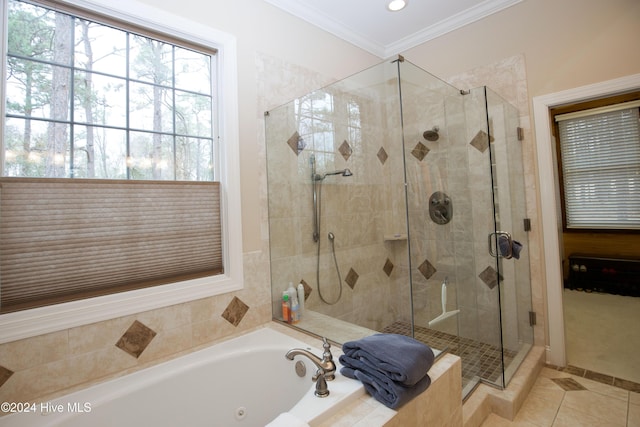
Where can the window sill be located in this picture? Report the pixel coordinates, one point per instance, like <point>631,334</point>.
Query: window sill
<point>42,320</point>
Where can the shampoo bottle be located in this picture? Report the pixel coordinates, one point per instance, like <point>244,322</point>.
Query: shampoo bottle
<point>286,311</point>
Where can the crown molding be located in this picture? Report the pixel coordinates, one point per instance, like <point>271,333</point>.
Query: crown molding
<point>452,23</point>
<point>320,19</point>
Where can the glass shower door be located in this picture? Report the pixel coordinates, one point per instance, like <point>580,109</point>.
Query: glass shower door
<point>510,206</point>
<point>450,212</point>
<point>464,184</point>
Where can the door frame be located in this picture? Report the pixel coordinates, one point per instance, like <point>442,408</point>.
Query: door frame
<point>548,187</point>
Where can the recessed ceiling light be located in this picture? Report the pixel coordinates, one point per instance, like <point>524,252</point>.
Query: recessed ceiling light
<point>396,5</point>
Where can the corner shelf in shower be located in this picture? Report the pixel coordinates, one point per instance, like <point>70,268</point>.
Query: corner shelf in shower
<point>394,237</point>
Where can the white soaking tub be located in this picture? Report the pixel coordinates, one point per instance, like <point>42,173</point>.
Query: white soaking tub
<point>244,382</point>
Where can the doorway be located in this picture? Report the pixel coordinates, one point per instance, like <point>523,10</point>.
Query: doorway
<point>549,201</point>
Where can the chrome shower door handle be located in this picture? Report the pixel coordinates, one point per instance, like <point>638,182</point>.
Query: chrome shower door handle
<point>494,250</point>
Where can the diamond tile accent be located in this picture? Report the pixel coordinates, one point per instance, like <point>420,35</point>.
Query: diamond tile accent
<point>136,339</point>
<point>307,289</point>
<point>345,150</point>
<point>388,267</point>
<point>296,143</point>
<point>568,384</point>
<point>382,155</point>
<point>420,151</point>
<point>481,141</point>
<point>352,278</point>
<point>235,311</point>
<point>5,374</point>
<point>427,269</point>
<point>490,277</point>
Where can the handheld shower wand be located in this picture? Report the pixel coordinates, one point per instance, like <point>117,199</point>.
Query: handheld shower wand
<point>316,187</point>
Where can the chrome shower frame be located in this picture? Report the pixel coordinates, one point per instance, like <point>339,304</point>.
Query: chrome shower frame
<point>314,190</point>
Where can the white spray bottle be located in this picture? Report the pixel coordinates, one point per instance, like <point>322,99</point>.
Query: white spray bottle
<point>300,300</point>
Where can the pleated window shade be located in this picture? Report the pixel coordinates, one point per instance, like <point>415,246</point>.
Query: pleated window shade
<point>63,240</point>
<point>601,168</point>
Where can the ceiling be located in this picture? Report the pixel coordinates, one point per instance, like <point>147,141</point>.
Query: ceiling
<point>369,25</point>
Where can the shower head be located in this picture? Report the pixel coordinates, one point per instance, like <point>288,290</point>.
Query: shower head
<point>431,135</point>
<point>343,172</point>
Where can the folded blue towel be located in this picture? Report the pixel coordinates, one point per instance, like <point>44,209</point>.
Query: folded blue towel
<point>400,358</point>
<point>384,390</point>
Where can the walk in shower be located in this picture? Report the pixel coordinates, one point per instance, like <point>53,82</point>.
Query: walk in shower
<point>398,202</point>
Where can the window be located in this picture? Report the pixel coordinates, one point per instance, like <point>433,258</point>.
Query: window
<point>106,98</point>
<point>88,100</point>
<point>318,125</point>
<point>600,166</point>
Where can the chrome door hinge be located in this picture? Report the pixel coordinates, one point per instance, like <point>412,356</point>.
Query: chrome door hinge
<point>532,318</point>
<point>527,224</point>
<point>520,133</point>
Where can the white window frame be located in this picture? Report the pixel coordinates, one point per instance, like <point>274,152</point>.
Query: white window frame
<point>583,210</point>
<point>37,321</point>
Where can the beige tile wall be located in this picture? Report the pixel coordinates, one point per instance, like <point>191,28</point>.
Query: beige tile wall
<point>58,362</point>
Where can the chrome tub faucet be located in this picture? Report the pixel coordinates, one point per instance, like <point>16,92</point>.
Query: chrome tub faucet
<point>326,367</point>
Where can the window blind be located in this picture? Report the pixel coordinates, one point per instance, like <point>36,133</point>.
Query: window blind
<point>63,240</point>
<point>600,155</point>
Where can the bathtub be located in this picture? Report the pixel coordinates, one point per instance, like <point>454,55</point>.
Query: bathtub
<point>244,382</point>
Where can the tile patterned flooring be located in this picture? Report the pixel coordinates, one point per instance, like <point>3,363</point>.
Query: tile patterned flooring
<point>479,360</point>
<point>574,397</point>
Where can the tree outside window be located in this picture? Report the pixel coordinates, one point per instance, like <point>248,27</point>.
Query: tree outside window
<point>88,100</point>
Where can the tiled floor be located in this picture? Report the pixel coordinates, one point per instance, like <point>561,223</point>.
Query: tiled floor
<point>479,360</point>
<point>562,399</point>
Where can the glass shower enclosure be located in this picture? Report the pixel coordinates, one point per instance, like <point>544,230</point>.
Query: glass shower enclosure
<point>398,202</point>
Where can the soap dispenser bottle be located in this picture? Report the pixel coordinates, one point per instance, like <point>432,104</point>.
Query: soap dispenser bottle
<point>291,291</point>
<point>295,309</point>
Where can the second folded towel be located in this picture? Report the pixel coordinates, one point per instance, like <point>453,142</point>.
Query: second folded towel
<point>390,393</point>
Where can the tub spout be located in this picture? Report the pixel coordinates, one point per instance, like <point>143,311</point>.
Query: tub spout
<point>326,366</point>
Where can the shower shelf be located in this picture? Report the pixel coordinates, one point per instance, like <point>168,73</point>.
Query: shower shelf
<point>394,237</point>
